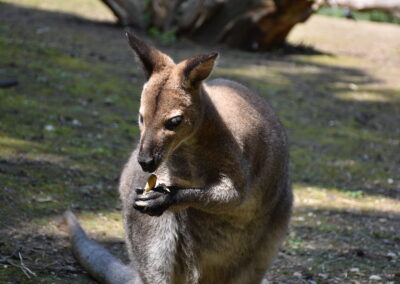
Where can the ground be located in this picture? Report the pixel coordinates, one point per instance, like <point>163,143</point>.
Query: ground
<point>68,127</point>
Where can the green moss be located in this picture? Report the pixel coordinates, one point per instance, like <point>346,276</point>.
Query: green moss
<point>49,132</point>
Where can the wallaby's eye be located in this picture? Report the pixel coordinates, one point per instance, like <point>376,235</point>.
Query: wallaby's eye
<point>140,118</point>
<point>173,122</point>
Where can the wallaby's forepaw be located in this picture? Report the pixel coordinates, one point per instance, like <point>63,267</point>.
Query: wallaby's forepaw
<point>153,203</point>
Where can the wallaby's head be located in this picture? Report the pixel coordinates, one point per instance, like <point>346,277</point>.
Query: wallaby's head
<point>170,106</point>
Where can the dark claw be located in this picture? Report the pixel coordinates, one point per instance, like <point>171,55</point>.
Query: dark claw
<point>148,196</point>
<point>139,190</point>
<point>154,202</point>
<point>147,210</point>
<point>151,212</point>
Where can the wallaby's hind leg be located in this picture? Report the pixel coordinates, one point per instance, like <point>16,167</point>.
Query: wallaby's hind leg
<point>101,265</point>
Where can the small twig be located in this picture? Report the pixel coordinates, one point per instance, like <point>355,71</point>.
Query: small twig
<point>18,266</point>
<point>24,268</point>
<point>24,271</point>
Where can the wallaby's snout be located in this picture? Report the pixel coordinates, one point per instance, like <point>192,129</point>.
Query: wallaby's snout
<point>150,153</point>
<point>148,163</point>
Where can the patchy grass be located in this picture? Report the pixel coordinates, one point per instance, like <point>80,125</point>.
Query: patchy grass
<point>68,127</point>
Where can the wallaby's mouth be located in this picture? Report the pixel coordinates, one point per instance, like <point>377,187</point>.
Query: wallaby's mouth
<point>149,168</point>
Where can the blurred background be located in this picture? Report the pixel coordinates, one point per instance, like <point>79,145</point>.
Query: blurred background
<point>69,96</point>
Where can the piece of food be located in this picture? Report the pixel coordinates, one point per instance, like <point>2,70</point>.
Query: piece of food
<point>150,184</point>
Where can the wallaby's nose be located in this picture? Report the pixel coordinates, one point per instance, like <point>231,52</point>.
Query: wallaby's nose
<point>147,163</point>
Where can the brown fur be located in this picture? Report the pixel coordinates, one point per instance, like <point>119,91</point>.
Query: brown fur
<point>226,165</point>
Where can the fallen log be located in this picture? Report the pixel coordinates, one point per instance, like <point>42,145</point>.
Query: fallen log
<point>244,24</point>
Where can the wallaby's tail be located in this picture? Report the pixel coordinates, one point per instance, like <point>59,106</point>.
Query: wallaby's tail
<point>101,265</point>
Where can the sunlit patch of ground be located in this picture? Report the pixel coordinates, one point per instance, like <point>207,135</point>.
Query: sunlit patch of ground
<point>68,127</point>
<point>346,200</point>
<point>369,96</point>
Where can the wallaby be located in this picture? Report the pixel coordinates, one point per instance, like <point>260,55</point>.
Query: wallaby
<point>223,156</point>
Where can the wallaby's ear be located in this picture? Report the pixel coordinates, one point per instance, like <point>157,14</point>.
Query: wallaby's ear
<point>199,67</point>
<point>151,58</point>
